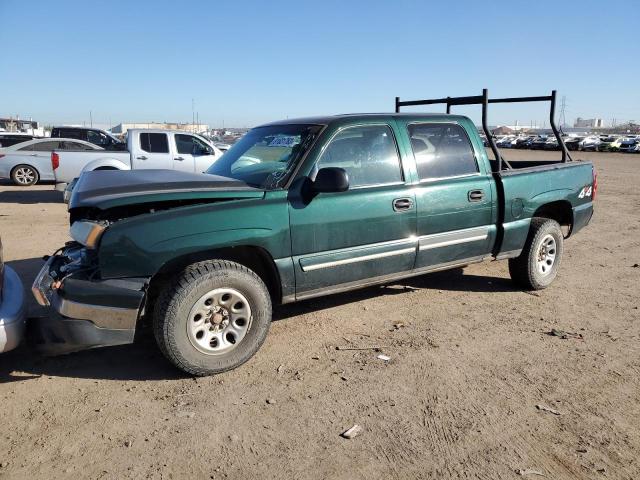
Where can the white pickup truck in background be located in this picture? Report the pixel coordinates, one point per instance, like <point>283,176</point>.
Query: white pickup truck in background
<point>146,148</point>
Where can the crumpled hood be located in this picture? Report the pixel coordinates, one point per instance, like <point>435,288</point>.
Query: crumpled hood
<point>112,188</point>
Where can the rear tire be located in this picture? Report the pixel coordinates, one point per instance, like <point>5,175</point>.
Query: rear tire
<point>537,265</point>
<point>213,318</point>
<point>24,175</point>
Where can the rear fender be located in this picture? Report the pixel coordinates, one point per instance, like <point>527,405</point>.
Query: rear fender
<point>102,163</point>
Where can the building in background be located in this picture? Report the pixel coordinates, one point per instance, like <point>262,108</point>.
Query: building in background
<point>122,128</point>
<point>21,126</point>
<point>588,123</point>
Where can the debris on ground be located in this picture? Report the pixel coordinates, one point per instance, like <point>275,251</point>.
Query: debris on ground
<point>386,358</point>
<point>352,432</point>
<point>270,401</point>
<point>635,265</point>
<point>529,471</point>
<point>372,347</point>
<point>565,335</point>
<point>548,409</point>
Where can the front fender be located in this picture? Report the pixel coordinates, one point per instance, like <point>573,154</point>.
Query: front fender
<point>141,245</point>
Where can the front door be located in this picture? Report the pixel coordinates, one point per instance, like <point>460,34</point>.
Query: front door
<point>454,196</point>
<point>364,233</point>
<point>153,152</point>
<point>192,154</point>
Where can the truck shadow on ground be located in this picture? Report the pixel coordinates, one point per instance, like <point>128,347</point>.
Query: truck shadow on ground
<point>28,195</point>
<point>143,361</point>
<point>454,280</point>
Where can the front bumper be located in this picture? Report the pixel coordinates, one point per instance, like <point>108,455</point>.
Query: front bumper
<point>92,313</point>
<point>12,311</point>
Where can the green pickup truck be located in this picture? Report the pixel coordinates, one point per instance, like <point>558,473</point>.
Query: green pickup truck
<point>294,210</point>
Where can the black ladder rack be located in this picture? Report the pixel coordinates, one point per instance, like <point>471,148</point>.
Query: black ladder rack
<point>484,100</point>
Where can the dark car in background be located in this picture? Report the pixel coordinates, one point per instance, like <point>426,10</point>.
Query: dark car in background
<point>9,139</point>
<point>523,142</point>
<point>573,143</point>
<point>630,145</point>
<point>92,135</point>
<point>538,143</point>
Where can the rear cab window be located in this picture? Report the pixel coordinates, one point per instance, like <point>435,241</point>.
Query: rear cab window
<point>154,142</point>
<point>442,150</point>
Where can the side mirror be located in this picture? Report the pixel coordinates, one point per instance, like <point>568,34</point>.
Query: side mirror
<point>330,180</point>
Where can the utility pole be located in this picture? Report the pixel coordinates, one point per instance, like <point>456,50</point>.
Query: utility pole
<point>91,118</point>
<point>193,115</point>
<point>563,105</point>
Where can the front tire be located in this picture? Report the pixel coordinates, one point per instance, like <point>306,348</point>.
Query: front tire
<point>537,265</point>
<point>213,318</point>
<point>24,175</point>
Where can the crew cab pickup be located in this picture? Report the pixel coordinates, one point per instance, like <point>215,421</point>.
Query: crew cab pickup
<point>294,210</point>
<point>146,149</point>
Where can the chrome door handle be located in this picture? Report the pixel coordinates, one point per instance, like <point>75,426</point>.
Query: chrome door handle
<point>33,155</point>
<point>141,157</point>
<point>179,159</point>
<point>402,204</point>
<point>475,195</point>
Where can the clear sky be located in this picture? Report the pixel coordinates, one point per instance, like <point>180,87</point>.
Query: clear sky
<point>246,62</point>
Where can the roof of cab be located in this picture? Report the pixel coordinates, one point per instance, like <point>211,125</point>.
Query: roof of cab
<point>355,117</point>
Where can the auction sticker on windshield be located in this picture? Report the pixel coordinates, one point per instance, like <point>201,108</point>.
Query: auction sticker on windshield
<point>285,141</point>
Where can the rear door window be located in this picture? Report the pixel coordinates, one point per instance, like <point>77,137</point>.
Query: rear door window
<point>74,146</point>
<point>154,142</point>
<point>45,146</point>
<point>442,150</point>
<point>71,133</point>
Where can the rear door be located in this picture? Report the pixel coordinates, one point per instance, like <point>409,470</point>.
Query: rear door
<point>38,155</point>
<point>151,150</point>
<point>192,154</point>
<point>364,233</point>
<point>454,195</point>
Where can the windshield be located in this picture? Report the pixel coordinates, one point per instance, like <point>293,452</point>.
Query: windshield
<point>266,156</point>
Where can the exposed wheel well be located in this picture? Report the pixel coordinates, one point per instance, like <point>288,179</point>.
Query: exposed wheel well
<point>559,211</point>
<point>254,258</point>
<point>105,168</point>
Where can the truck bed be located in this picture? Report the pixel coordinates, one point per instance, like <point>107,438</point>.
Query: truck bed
<point>530,185</point>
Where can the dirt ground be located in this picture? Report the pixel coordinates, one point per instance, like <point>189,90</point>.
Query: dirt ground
<point>470,361</point>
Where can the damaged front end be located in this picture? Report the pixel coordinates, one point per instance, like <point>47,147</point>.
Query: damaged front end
<point>92,312</point>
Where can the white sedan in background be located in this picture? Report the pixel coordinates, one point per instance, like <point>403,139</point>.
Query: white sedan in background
<point>28,162</point>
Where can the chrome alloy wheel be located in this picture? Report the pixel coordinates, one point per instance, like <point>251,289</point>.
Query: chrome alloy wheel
<point>25,176</point>
<point>219,321</point>
<point>546,255</point>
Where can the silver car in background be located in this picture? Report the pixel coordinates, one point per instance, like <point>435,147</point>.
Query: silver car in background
<point>12,307</point>
<point>29,162</point>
